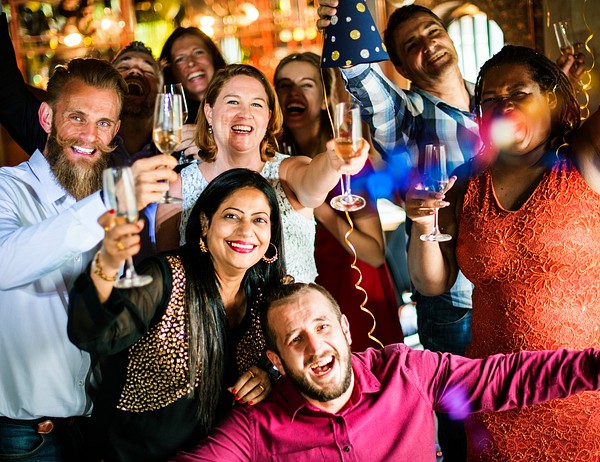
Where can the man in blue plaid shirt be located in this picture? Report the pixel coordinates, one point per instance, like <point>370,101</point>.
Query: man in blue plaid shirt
<point>438,107</point>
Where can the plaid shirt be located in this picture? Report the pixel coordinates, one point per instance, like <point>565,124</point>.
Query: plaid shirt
<point>402,122</point>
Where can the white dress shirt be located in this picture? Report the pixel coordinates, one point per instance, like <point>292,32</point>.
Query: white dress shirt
<point>47,238</point>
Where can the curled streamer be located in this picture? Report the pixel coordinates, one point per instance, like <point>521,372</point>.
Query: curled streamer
<point>357,285</point>
<point>586,81</point>
<point>349,244</point>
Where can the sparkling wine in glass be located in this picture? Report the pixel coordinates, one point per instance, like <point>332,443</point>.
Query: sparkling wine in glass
<point>168,122</point>
<point>566,39</point>
<point>347,133</point>
<point>435,178</point>
<point>119,194</point>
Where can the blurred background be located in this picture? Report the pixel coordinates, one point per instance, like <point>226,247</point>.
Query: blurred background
<point>261,32</point>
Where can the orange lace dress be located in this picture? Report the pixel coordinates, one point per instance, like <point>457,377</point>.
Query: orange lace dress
<point>536,273</point>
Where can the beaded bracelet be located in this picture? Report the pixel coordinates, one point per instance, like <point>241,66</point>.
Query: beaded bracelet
<point>98,270</point>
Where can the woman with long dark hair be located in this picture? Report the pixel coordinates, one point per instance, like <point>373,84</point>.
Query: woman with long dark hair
<point>191,58</point>
<point>169,351</point>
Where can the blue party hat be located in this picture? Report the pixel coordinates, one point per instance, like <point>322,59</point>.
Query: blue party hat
<point>352,38</point>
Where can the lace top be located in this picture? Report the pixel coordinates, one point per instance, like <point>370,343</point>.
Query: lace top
<point>298,231</point>
<point>535,272</point>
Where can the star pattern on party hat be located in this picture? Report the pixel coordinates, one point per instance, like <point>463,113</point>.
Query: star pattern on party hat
<point>352,37</point>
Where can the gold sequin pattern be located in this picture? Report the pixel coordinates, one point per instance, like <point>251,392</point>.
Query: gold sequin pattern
<point>157,370</point>
<point>250,347</point>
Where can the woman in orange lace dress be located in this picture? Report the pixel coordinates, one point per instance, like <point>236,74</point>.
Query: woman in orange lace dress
<point>525,221</point>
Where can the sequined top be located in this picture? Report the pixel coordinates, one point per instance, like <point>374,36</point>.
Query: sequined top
<point>142,411</point>
<point>157,371</point>
<point>537,286</point>
<point>298,231</point>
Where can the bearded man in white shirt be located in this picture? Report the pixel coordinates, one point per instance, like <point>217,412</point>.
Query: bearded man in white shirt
<point>49,208</point>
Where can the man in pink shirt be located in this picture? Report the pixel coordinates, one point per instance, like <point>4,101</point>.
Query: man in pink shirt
<point>375,405</point>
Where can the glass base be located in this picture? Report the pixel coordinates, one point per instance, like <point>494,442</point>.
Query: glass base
<point>350,203</point>
<point>138,280</point>
<point>168,199</point>
<point>436,237</point>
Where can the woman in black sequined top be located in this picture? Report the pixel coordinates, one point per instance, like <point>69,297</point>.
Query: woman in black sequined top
<point>175,352</point>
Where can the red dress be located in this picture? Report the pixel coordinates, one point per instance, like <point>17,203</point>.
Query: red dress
<point>536,273</point>
<point>336,275</point>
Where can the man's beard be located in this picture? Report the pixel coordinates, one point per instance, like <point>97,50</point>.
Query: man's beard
<point>133,106</point>
<point>79,179</point>
<point>142,109</point>
<point>319,394</point>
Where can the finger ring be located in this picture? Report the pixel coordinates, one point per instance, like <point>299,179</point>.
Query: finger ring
<point>120,245</point>
<point>262,389</point>
<point>251,373</point>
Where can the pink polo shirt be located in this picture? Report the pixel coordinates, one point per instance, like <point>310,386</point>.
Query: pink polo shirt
<point>389,416</point>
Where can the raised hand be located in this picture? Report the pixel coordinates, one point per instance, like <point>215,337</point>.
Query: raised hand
<point>573,66</point>
<point>188,145</point>
<point>420,204</point>
<point>327,9</point>
<point>152,175</point>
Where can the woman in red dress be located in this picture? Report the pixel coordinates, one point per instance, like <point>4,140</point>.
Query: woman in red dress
<point>301,94</point>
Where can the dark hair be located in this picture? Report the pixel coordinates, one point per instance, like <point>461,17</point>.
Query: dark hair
<point>207,319</point>
<point>402,14</point>
<point>205,140</point>
<point>93,72</point>
<point>329,83</point>
<point>547,75</point>
<point>134,47</point>
<point>167,58</point>
<point>138,47</point>
<point>281,295</point>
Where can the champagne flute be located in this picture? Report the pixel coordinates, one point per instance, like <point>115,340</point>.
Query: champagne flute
<point>119,194</point>
<point>347,133</point>
<point>168,122</point>
<point>435,179</point>
<point>566,39</point>
<point>177,89</point>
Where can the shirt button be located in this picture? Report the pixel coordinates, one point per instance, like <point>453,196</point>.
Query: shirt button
<point>339,420</point>
<point>346,449</point>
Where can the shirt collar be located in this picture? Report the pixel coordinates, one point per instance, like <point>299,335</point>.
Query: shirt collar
<point>48,182</point>
<point>435,100</point>
<point>364,383</point>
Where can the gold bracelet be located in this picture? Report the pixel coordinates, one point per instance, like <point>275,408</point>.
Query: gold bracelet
<point>98,270</point>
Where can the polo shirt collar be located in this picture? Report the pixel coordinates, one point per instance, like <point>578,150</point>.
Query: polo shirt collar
<point>364,383</point>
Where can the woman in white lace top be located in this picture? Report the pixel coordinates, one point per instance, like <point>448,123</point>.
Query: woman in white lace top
<point>237,126</point>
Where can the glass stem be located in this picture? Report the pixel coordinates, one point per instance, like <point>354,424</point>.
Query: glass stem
<point>346,188</point>
<point>436,230</point>
<point>130,270</point>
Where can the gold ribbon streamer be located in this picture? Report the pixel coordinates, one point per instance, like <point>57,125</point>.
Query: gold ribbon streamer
<point>347,241</point>
<point>586,81</point>
<point>357,285</point>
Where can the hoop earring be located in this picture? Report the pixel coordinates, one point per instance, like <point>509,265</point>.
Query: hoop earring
<point>210,129</point>
<point>273,259</point>
<point>202,246</point>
